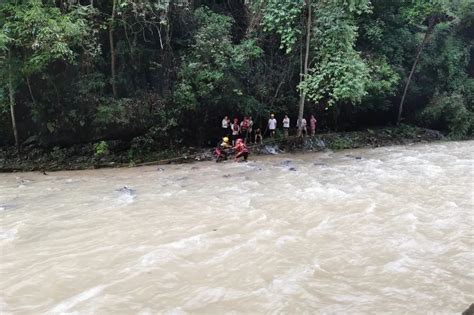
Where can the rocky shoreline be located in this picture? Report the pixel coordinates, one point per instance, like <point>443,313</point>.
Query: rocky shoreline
<point>79,157</point>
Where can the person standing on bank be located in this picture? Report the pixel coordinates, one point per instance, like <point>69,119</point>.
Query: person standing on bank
<point>258,136</point>
<point>235,130</point>
<point>302,124</point>
<point>272,125</point>
<point>250,131</point>
<point>244,128</point>
<point>286,125</point>
<point>225,126</point>
<point>312,124</point>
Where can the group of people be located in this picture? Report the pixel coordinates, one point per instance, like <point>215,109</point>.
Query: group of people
<point>245,129</point>
<point>235,134</point>
<point>300,124</point>
<point>225,148</point>
<point>236,130</point>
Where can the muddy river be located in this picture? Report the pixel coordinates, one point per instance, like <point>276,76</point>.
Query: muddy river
<point>358,231</point>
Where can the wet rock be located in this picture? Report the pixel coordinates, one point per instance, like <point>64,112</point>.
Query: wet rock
<point>160,169</point>
<point>204,156</point>
<point>433,134</point>
<point>354,156</point>
<point>226,176</point>
<point>313,144</point>
<point>126,190</point>
<point>269,149</point>
<point>469,311</point>
<point>292,169</point>
<point>286,162</point>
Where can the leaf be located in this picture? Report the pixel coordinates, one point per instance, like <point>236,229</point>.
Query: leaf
<point>51,126</point>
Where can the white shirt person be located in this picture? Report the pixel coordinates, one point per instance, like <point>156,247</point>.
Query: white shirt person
<point>286,125</point>
<point>272,124</point>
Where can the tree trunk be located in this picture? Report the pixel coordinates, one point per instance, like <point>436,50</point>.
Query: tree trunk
<point>418,53</point>
<point>12,101</point>
<point>112,48</point>
<point>31,90</point>
<point>305,69</point>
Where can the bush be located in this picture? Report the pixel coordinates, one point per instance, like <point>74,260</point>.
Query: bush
<point>101,149</point>
<point>340,143</point>
<point>449,112</point>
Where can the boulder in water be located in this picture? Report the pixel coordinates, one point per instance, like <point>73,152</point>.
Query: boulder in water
<point>469,311</point>
<point>126,190</point>
<point>293,169</point>
<point>286,162</point>
<point>313,144</point>
<point>270,149</point>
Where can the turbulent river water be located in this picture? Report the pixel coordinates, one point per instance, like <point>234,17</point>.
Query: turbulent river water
<point>360,231</point>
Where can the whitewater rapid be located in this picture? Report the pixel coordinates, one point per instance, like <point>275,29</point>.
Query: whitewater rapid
<point>358,231</point>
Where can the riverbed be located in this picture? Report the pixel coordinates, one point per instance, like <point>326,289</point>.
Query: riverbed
<point>357,231</point>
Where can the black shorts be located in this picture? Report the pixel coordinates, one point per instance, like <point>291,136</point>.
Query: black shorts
<point>244,154</point>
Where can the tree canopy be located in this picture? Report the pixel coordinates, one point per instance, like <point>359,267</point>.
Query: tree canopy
<point>164,72</point>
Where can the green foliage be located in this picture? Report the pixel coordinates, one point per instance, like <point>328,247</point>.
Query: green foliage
<point>42,34</point>
<point>418,11</point>
<point>340,143</point>
<point>122,113</point>
<point>181,67</point>
<point>444,67</point>
<point>101,149</point>
<point>209,69</point>
<point>140,146</point>
<point>450,112</point>
<point>284,18</point>
<point>383,82</point>
<point>339,74</point>
<point>383,78</point>
<point>4,40</point>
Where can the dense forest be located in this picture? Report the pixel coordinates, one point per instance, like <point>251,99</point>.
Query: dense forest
<point>163,73</point>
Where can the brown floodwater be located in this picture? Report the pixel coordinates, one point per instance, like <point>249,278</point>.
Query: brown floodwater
<point>358,231</point>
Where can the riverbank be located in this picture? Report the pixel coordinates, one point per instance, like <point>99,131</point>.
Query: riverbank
<point>113,154</point>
